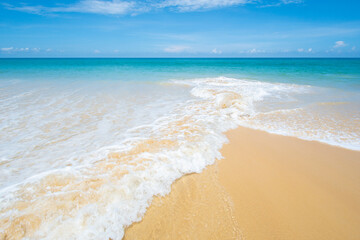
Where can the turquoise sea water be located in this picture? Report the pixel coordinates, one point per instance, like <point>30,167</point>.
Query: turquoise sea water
<point>86,143</point>
<point>340,73</point>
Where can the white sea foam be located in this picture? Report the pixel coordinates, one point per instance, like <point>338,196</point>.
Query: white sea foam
<point>286,109</point>
<point>80,163</point>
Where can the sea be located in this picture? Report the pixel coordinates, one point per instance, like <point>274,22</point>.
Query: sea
<point>86,143</point>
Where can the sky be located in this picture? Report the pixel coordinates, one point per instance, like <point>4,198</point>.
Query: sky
<point>179,28</point>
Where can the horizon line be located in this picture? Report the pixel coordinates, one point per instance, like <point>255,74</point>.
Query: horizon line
<point>179,57</point>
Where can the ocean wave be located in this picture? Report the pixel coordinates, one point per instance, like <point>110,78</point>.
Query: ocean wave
<point>139,147</point>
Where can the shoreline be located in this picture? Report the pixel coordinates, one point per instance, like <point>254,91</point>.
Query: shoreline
<point>267,186</point>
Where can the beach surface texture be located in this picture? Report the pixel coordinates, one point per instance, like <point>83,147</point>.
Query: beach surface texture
<point>286,189</point>
<point>179,149</point>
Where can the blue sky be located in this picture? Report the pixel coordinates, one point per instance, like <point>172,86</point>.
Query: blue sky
<point>180,28</point>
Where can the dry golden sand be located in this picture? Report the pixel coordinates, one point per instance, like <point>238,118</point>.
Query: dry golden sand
<point>267,187</point>
<point>196,208</point>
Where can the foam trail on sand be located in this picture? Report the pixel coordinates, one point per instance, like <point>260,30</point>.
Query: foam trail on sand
<point>80,163</point>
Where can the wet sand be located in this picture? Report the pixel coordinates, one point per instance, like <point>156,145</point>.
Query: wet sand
<point>266,187</point>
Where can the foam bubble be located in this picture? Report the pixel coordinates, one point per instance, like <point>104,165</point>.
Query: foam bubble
<point>84,164</point>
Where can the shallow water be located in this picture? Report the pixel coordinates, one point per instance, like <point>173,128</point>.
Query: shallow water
<point>86,143</point>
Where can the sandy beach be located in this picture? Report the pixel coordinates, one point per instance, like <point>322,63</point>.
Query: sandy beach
<point>179,120</point>
<point>266,187</point>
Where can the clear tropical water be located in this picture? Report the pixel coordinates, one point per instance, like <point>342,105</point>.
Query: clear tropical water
<point>340,73</point>
<point>86,143</point>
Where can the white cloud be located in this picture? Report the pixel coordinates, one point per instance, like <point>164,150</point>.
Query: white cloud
<point>353,48</point>
<point>96,51</point>
<point>302,50</point>
<point>7,49</point>
<point>12,49</point>
<point>116,51</point>
<point>25,49</point>
<point>279,3</point>
<point>291,1</point>
<point>192,5</point>
<point>29,9</point>
<point>254,50</point>
<point>133,7</point>
<point>83,6</point>
<point>215,51</point>
<point>176,49</point>
<point>101,7</point>
<point>339,44</point>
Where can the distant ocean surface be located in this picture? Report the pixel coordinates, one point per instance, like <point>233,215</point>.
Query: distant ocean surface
<point>85,144</point>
